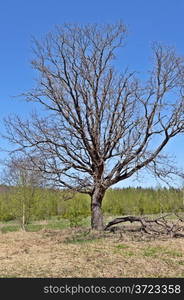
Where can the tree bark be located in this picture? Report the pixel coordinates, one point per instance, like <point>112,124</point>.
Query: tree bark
<point>96,209</point>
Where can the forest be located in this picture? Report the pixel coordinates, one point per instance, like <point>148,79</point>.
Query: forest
<point>27,204</point>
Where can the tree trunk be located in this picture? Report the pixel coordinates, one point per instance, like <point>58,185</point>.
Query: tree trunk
<point>23,216</point>
<point>96,209</point>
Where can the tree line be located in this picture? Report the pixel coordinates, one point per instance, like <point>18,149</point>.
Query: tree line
<point>23,205</point>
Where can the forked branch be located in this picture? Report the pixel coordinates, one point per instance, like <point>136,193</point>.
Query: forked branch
<point>159,226</point>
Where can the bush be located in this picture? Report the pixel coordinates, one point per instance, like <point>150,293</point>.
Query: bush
<point>76,209</point>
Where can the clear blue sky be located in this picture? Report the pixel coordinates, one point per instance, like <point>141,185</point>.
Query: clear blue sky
<point>147,21</point>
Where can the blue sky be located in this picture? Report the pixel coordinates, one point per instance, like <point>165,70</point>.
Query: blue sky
<point>147,21</point>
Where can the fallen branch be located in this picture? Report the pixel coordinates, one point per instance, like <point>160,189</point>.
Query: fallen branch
<point>158,226</point>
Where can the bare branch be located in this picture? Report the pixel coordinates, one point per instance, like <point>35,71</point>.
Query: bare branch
<point>159,226</point>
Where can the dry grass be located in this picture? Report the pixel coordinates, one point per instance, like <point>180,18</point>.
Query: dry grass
<point>82,253</point>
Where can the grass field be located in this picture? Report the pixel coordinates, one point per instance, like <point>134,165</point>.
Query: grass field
<point>52,249</point>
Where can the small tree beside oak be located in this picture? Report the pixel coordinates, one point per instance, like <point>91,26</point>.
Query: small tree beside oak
<point>23,183</point>
<point>100,126</point>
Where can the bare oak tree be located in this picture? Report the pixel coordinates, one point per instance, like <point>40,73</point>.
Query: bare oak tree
<point>100,126</point>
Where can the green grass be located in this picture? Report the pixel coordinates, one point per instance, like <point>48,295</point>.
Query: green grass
<point>10,228</point>
<point>121,246</point>
<point>122,249</point>
<point>151,251</point>
<point>173,253</point>
<point>157,251</point>
<point>53,223</point>
<point>128,253</point>
<point>33,226</point>
<point>59,225</point>
<point>82,238</point>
